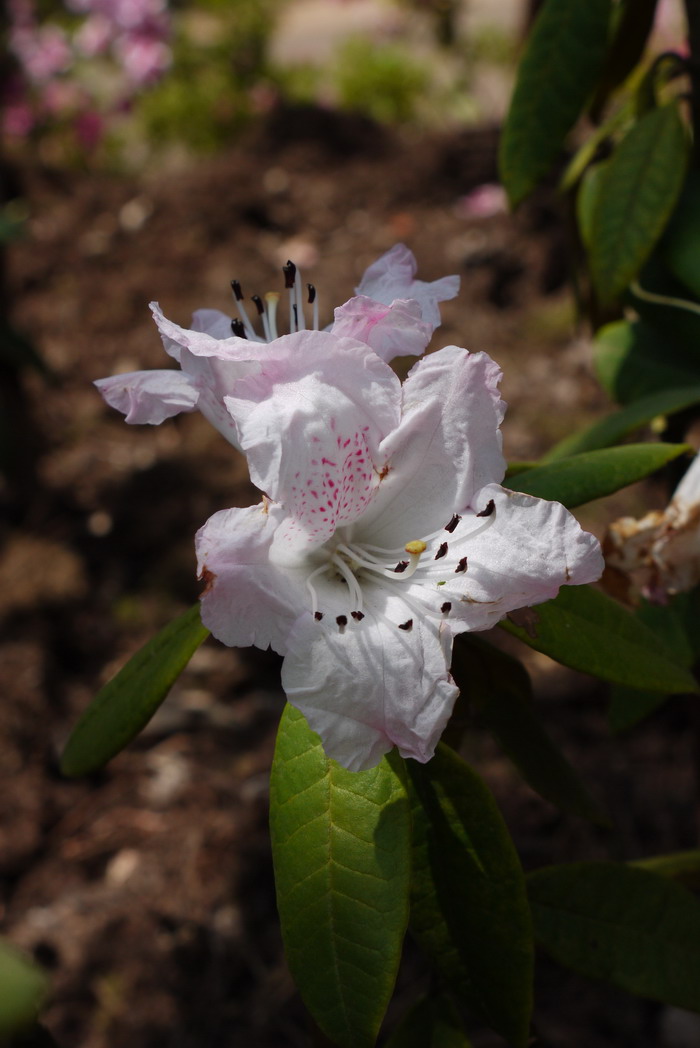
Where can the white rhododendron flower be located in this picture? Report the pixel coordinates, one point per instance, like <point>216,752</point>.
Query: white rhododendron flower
<point>393,313</point>
<point>659,555</point>
<point>382,533</point>
<point>383,530</point>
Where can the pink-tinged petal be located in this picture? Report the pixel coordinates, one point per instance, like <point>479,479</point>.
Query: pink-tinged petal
<point>247,599</point>
<point>149,396</point>
<point>201,343</point>
<point>392,276</point>
<point>517,554</point>
<point>311,422</point>
<point>372,687</point>
<point>212,322</point>
<point>391,331</point>
<point>446,448</point>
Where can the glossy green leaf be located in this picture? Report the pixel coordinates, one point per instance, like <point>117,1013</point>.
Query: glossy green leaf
<point>680,247</point>
<point>634,360</point>
<point>499,688</point>
<point>469,908</point>
<point>593,474</point>
<point>587,201</point>
<point>556,75</point>
<point>683,867</point>
<point>433,1022</point>
<point>22,989</point>
<point>587,630</point>
<point>625,925</point>
<point>633,26</point>
<point>615,427</point>
<point>341,849</point>
<point>642,182</point>
<point>126,704</point>
<point>629,706</point>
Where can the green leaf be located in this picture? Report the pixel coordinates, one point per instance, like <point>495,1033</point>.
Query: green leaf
<point>22,988</point>
<point>633,360</point>
<point>593,474</point>
<point>556,75</point>
<point>587,201</point>
<point>629,706</point>
<point>638,193</point>
<point>432,1023</point>
<point>680,247</point>
<point>499,687</point>
<point>629,42</point>
<point>469,908</point>
<point>587,630</point>
<point>615,427</point>
<point>341,849</point>
<point>622,924</point>
<point>679,866</point>
<point>126,704</point>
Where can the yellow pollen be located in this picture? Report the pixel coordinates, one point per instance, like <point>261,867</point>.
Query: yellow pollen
<point>416,547</point>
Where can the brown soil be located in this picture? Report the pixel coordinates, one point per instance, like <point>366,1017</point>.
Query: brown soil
<point>147,890</point>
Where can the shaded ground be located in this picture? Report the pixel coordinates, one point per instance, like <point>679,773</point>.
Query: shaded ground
<point>148,890</point>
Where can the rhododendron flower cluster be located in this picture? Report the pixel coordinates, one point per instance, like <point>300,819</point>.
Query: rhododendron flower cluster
<point>383,530</point>
<point>48,81</point>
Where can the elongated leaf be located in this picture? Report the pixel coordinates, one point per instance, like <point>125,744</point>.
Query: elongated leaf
<point>432,1023</point>
<point>680,247</point>
<point>587,201</point>
<point>683,867</point>
<point>613,428</point>
<point>341,849</point>
<point>499,687</point>
<point>468,906</point>
<point>627,926</point>
<point>555,78</point>
<point>593,474</point>
<point>629,706</point>
<point>585,629</point>
<point>642,182</point>
<point>22,988</point>
<point>127,703</point>
<point>634,360</point>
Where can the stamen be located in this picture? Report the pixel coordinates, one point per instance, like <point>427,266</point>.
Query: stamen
<point>258,304</point>
<point>401,567</point>
<point>407,625</point>
<point>242,311</point>
<point>290,272</point>
<point>462,566</point>
<point>452,524</point>
<point>271,298</point>
<point>446,608</point>
<point>488,510</point>
<point>238,328</point>
<point>299,304</point>
<point>318,615</point>
<point>442,551</point>
<point>358,616</point>
<point>342,623</point>
<point>313,301</point>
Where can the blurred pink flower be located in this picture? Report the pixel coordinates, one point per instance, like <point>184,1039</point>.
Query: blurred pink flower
<point>483,202</point>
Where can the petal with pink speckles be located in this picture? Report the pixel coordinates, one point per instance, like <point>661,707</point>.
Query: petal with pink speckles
<point>311,422</point>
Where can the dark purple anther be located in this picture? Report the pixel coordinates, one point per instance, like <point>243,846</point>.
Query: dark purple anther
<point>258,304</point>
<point>357,615</point>
<point>407,625</point>
<point>312,293</point>
<point>318,615</point>
<point>446,608</point>
<point>462,566</point>
<point>290,271</point>
<point>453,523</point>
<point>401,566</point>
<point>490,507</point>
<point>238,328</point>
<point>442,551</point>
<point>236,288</point>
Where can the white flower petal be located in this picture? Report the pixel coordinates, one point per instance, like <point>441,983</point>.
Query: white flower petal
<point>247,600</point>
<point>392,277</point>
<point>372,687</point>
<point>391,331</point>
<point>212,322</point>
<point>149,396</point>
<point>311,422</point>
<point>446,448</point>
